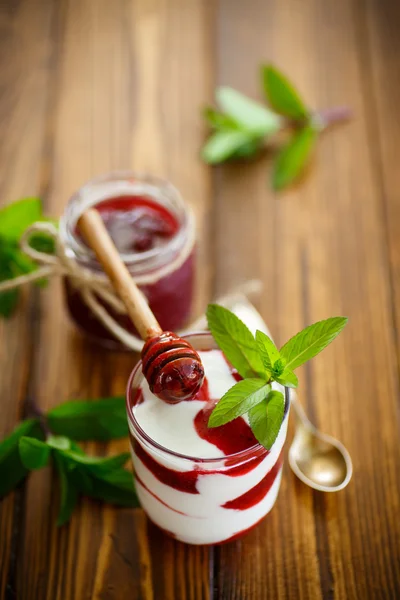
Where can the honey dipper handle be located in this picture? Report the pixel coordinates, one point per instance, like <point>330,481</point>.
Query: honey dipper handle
<point>95,233</point>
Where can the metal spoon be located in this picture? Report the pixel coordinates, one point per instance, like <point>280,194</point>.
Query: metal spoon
<point>319,460</point>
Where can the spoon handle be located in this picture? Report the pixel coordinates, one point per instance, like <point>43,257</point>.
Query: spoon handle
<point>92,227</point>
<point>299,411</point>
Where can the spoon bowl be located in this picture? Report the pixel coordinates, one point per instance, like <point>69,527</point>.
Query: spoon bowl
<point>319,460</point>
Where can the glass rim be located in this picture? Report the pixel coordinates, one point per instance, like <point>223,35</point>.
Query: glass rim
<point>182,212</point>
<point>255,450</point>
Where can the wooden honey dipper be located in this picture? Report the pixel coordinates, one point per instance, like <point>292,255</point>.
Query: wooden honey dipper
<point>173,368</point>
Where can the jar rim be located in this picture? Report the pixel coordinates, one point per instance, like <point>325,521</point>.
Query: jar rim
<point>154,187</point>
<point>253,451</point>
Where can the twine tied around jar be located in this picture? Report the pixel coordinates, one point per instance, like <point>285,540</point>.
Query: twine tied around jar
<point>91,284</point>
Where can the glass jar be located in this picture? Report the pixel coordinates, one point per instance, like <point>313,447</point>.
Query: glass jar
<point>203,501</point>
<point>165,274</point>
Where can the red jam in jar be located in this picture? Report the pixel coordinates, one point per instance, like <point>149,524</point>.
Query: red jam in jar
<point>153,230</point>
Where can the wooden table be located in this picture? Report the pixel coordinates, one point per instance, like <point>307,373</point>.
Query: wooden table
<point>88,86</point>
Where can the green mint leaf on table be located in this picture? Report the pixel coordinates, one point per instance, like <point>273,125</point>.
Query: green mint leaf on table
<point>281,95</point>
<point>14,219</point>
<point>115,487</point>
<point>34,453</point>
<point>42,242</point>
<point>69,494</point>
<point>224,144</point>
<point>97,464</point>
<point>9,298</point>
<point>243,126</point>
<point>12,470</point>
<point>266,418</point>
<point>235,340</point>
<point>218,120</point>
<point>102,478</point>
<point>17,216</point>
<point>309,342</point>
<point>103,419</point>
<point>8,270</point>
<point>267,350</point>
<point>60,442</point>
<point>249,149</point>
<point>238,400</point>
<point>248,114</point>
<point>293,157</point>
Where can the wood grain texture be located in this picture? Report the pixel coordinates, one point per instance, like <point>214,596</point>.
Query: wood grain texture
<point>24,49</point>
<point>92,86</point>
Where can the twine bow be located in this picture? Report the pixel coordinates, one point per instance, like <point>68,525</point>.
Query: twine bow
<point>93,285</point>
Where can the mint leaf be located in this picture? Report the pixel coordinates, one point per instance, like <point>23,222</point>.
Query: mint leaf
<point>75,448</point>
<point>292,159</point>
<point>309,342</point>
<point>247,113</point>
<point>80,476</point>
<point>281,95</point>
<point>266,418</point>
<point>8,299</point>
<point>59,442</point>
<point>68,492</point>
<point>223,145</point>
<point>238,400</point>
<point>115,487</point>
<point>235,340</point>
<point>17,216</point>
<point>34,453</point>
<point>14,219</point>
<point>267,350</point>
<point>288,378</point>
<point>97,464</point>
<point>103,419</point>
<point>12,471</point>
<point>250,148</point>
<point>218,120</point>
<point>43,242</point>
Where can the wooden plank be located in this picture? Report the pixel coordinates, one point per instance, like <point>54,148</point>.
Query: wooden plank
<point>381,46</point>
<point>129,78</point>
<point>24,52</point>
<point>320,250</point>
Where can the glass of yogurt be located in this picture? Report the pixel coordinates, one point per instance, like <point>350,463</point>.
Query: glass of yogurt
<point>201,485</point>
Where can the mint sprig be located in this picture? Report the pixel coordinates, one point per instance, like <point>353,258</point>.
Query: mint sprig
<point>50,439</point>
<point>243,127</point>
<point>261,364</point>
<point>14,219</point>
